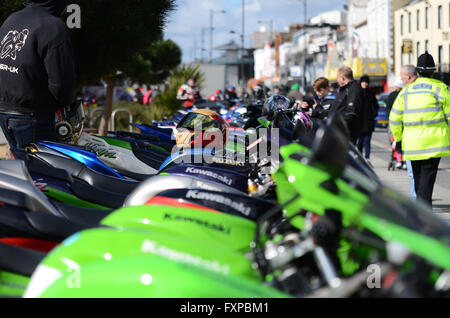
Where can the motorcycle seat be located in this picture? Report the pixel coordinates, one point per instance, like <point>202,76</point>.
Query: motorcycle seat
<point>78,170</point>
<point>15,222</point>
<point>19,260</point>
<point>133,175</point>
<point>155,161</point>
<point>95,195</point>
<point>143,137</point>
<point>168,131</point>
<point>81,215</point>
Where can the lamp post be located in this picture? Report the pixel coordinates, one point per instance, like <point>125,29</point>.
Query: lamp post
<point>204,29</point>
<point>211,34</point>
<point>270,22</point>
<point>305,17</point>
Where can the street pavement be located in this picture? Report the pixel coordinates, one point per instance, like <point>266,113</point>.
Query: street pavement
<point>399,180</point>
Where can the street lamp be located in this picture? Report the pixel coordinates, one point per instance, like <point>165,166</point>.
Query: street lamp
<point>270,22</point>
<point>305,12</point>
<point>211,16</point>
<point>204,29</point>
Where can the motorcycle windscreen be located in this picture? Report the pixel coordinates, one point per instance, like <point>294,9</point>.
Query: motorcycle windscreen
<point>414,216</point>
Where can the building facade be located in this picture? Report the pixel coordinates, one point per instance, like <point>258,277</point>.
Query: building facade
<point>423,25</point>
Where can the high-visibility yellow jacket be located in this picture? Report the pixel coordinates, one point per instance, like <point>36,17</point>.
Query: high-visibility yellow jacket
<point>420,119</point>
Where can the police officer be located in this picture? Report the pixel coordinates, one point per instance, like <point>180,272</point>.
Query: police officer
<point>420,119</point>
<point>37,73</point>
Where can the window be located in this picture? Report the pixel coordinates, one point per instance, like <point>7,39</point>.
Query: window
<point>426,45</point>
<point>401,25</point>
<point>426,18</point>
<point>418,20</point>
<point>440,55</point>
<point>418,49</point>
<point>409,22</point>
<point>440,17</point>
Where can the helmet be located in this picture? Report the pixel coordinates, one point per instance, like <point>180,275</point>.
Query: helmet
<point>70,123</point>
<point>231,88</point>
<point>212,98</point>
<point>426,64</point>
<point>276,103</point>
<point>306,120</point>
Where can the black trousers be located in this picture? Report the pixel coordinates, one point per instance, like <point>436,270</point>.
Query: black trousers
<point>425,173</point>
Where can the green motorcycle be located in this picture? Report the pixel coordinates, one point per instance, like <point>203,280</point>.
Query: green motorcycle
<point>335,233</point>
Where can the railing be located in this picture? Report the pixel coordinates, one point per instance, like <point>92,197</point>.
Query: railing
<point>112,122</point>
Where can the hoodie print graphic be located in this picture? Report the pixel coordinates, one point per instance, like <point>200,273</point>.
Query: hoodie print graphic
<point>13,43</point>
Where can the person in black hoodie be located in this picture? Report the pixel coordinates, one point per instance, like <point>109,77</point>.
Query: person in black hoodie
<point>369,111</point>
<point>348,101</point>
<point>37,73</point>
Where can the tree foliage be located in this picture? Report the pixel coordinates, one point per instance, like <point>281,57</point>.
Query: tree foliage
<point>9,6</point>
<point>154,64</point>
<point>168,99</point>
<point>112,33</point>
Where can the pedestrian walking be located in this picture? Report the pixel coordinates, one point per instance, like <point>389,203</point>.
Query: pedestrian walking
<point>38,73</point>
<point>348,101</point>
<point>368,113</point>
<point>420,119</point>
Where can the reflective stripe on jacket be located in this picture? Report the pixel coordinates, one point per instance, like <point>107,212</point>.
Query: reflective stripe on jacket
<point>420,119</point>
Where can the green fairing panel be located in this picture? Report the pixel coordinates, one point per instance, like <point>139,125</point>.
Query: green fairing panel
<point>295,177</point>
<point>71,199</point>
<point>144,264</point>
<point>154,277</point>
<point>117,143</point>
<point>386,213</point>
<point>12,285</point>
<point>228,230</point>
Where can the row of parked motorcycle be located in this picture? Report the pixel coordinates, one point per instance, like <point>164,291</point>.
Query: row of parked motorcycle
<point>158,213</point>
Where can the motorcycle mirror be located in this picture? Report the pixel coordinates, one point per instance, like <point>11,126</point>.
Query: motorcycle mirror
<point>337,121</point>
<point>299,130</point>
<point>330,148</point>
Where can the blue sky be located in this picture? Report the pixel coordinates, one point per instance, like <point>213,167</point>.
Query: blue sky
<point>185,24</point>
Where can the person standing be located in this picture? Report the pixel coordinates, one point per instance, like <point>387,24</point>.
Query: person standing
<point>323,99</point>
<point>420,119</point>
<point>408,75</point>
<point>189,93</point>
<point>369,111</point>
<point>393,95</point>
<point>230,93</point>
<point>295,95</point>
<point>348,101</point>
<point>38,73</point>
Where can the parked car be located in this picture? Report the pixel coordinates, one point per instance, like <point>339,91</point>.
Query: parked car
<point>382,120</point>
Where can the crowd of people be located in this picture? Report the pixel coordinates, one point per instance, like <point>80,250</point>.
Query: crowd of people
<point>418,107</point>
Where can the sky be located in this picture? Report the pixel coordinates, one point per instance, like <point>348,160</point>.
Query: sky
<point>186,22</point>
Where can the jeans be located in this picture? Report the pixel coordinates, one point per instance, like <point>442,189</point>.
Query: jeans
<point>411,180</point>
<point>364,141</point>
<point>425,173</point>
<point>23,130</point>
